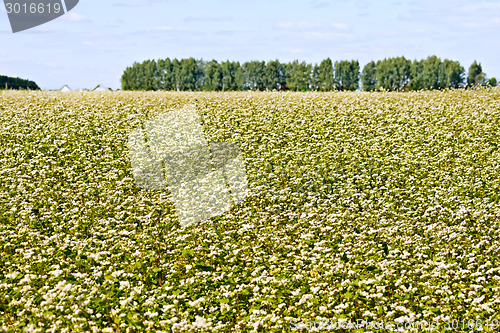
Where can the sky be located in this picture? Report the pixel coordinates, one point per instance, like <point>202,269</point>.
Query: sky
<point>97,40</point>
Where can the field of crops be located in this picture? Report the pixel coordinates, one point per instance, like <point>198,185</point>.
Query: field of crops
<point>374,206</point>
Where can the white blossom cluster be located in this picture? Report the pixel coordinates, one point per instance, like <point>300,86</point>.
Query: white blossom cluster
<point>410,233</point>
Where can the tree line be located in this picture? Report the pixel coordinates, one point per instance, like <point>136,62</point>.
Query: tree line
<point>393,74</point>
<point>7,82</point>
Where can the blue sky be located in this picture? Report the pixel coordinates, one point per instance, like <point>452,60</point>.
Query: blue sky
<point>97,40</point>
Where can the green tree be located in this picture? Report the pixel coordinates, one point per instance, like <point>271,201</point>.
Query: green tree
<point>273,75</point>
<point>190,75</point>
<point>454,74</point>
<point>347,74</point>
<point>433,76</point>
<point>476,75</point>
<point>239,77</point>
<point>417,75</point>
<point>213,78</point>
<point>16,83</point>
<point>492,82</point>
<point>326,79</point>
<point>176,74</point>
<point>253,73</point>
<point>165,78</point>
<point>402,73</point>
<point>368,76</point>
<point>393,73</point>
<point>298,77</point>
<point>229,75</point>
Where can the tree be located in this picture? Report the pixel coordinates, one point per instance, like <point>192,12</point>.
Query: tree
<point>298,76</point>
<point>368,77</point>
<point>383,74</point>
<point>273,75</point>
<point>476,75</point>
<point>191,74</point>
<point>229,75</point>
<point>454,74</point>
<point>213,76</point>
<point>16,83</point>
<point>390,74</point>
<point>417,75</point>
<point>176,74</point>
<point>141,76</point>
<point>347,75</point>
<point>253,73</point>
<point>401,72</point>
<point>165,77</point>
<point>239,77</point>
<point>492,82</point>
<point>326,79</point>
<point>433,73</point>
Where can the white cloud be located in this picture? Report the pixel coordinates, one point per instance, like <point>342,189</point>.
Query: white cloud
<point>75,17</point>
<point>362,4</point>
<point>306,26</point>
<point>460,14</point>
<point>208,18</point>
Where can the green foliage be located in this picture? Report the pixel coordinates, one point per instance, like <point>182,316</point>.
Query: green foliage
<point>232,78</point>
<point>392,74</point>
<point>347,75</point>
<point>368,76</point>
<point>492,82</point>
<point>253,75</point>
<point>298,76</point>
<point>398,74</point>
<point>274,75</point>
<point>16,83</point>
<point>326,76</point>
<point>476,75</point>
<point>454,74</point>
<point>213,76</point>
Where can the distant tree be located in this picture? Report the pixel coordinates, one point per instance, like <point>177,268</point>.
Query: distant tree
<point>347,75</point>
<point>393,73</point>
<point>298,76</point>
<point>454,74</point>
<point>492,82</point>
<point>253,73</point>
<point>176,74</point>
<point>417,75</point>
<point>140,76</point>
<point>127,79</point>
<point>476,75</point>
<point>397,74</point>
<point>326,76</point>
<point>315,78</point>
<point>16,83</point>
<point>273,75</point>
<point>213,78</point>
<point>368,76</point>
<point>390,74</point>
<point>433,74</point>
<point>165,77</point>
<point>191,74</point>
<point>229,70</point>
<point>402,72</point>
<point>147,74</point>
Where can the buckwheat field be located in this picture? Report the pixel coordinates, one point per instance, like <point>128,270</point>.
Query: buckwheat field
<point>363,206</point>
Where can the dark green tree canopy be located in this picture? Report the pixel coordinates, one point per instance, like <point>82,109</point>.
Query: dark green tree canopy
<point>17,83</point>
<point>476,75</point>
<point>394,74</point>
